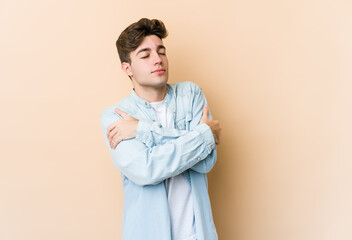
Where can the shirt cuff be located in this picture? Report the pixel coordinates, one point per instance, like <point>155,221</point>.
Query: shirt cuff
<point>143,132</point>
<point>208,136</point>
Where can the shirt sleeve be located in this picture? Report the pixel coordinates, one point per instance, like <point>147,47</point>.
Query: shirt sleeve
<point>146,164</point>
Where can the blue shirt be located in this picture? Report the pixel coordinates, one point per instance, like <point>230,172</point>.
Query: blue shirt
<point>156,154</point>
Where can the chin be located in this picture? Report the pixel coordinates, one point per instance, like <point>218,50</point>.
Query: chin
<point>161,83</point>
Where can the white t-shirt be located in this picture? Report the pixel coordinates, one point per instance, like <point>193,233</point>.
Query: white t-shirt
<point>178,191</point>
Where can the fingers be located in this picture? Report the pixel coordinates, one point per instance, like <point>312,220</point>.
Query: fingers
<point>217,139</point>
<point>204,114</point>
<point>115,141</point>
<point>111,127</point>
<point>121,113</point>
<point>114,138</point>
<point>112,133</point>
<point>205,111</point>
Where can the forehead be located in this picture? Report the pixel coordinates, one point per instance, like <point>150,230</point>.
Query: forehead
<point>151,42</point>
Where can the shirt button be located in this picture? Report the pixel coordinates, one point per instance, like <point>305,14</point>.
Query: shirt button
<point>140,139</point>
<point>198,159</point>
<point>212,146</point>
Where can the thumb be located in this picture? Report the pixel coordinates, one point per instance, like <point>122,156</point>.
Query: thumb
<point>121,113</point>
<point>205,114</point>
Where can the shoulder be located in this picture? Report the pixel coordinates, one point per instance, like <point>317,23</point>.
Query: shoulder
<point>109,115</point>
<point>185,88</point>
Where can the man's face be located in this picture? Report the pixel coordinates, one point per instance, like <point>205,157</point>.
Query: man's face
<point>149,64</point>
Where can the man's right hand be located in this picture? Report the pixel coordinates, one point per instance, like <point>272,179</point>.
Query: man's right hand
<point>122,129</point>
<point>213,124</point>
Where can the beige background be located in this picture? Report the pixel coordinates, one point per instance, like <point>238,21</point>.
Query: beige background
<point>276,73</point>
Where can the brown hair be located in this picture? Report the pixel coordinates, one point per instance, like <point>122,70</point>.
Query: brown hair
<point>134,34</point>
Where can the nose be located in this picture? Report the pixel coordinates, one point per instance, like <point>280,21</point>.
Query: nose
<point>157,59</point>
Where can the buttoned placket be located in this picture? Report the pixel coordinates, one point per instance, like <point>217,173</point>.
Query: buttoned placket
<point>172,105</point>
<point>150,111</point>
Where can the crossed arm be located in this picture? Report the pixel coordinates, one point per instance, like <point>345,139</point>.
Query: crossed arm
<point>126,127</point>
<point>146,153</point>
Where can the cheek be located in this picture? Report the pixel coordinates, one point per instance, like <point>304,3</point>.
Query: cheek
<point>136,69</point>
<point>140,71</point>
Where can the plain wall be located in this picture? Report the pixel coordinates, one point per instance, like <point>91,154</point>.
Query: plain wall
<point>277,74</point>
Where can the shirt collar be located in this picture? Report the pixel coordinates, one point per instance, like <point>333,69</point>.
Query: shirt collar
<point>145,103</point>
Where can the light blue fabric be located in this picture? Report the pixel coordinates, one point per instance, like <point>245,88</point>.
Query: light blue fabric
<point>157,153</point>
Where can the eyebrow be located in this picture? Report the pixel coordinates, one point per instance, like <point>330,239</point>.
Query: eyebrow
<point>148,49</point>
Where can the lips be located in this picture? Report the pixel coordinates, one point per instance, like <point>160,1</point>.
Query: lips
<point>159,71</point>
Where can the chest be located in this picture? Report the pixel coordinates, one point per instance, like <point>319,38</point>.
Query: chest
<point>176,114</point>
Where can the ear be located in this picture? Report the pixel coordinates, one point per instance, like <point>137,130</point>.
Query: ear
<point>126,67</point>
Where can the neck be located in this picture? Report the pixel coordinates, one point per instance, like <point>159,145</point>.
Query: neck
<point>151,94</point>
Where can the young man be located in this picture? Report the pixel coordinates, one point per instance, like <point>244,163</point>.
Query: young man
<point>163,143</point>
